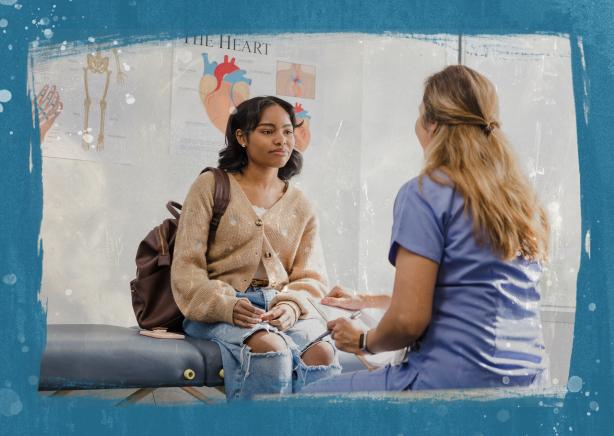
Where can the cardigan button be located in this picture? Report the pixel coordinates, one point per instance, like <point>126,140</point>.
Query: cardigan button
<point>267,254</point>
<point>258,222</point>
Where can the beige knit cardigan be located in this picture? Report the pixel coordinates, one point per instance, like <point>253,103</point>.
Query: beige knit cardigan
<point>205,279</point>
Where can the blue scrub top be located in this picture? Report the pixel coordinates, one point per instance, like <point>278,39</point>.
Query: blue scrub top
<point>485,329</point>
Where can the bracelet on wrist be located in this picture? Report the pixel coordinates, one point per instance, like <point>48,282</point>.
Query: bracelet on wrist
<point>362,343</point>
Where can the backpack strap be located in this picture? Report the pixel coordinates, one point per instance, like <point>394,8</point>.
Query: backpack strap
<point>221,198</point>
<point>173,207</point>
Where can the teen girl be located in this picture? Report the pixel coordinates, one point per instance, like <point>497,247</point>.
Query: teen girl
<point>248,290</point>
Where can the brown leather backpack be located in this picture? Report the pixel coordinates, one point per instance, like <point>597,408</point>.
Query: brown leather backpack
<point>152,297</point>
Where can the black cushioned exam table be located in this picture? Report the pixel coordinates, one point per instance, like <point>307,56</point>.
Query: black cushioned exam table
<point>94,356</point>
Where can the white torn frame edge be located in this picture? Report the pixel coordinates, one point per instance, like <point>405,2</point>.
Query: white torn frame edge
<point>585,81</point>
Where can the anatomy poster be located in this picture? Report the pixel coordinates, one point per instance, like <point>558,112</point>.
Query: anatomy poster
<point>214,74</point>
<point>302,134</point>
<point>296,80</point>
<point>85,103</point>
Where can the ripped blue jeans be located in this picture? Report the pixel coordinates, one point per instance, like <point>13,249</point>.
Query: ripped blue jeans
<point>247,374</point>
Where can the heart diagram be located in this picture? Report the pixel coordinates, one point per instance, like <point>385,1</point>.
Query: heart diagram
<point>302,134</point>
<point>296,80</point>
<point>222,88</point>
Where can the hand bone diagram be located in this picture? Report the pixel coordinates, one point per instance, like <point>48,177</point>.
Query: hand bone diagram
<point>49,108</point>
<point>222,88</point>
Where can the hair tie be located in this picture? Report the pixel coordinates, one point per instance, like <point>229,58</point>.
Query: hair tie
<point>489,127</point>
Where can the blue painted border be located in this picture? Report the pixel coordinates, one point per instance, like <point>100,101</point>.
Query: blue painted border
<point>23,319</point>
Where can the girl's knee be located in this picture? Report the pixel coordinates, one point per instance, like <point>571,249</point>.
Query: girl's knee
<point>320,353</point>
<point>265,342</point>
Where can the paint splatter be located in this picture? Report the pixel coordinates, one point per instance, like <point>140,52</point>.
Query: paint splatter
<point>9,279</point>
<point>5,97</point>
<point>587,243</point>
<point>88,138</point>
<point>503,415</point>
<point>441,410</point>
<point>574,384</point>
<point>10,403</point>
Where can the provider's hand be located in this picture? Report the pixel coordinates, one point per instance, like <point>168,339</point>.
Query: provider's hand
<point>340,297</point>
<point>281,316</point>
<point>245,314</point>
<point>345,334</point>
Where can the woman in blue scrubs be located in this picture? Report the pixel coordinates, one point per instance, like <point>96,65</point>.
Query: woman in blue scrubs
<point>468,240</point>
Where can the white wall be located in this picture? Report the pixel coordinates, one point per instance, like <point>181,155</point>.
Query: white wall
<point>394,72</point>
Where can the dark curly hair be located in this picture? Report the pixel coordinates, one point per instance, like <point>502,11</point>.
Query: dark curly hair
<point>233,157</point>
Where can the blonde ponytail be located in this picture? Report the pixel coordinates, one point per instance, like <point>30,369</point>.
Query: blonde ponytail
<point>469,147</point>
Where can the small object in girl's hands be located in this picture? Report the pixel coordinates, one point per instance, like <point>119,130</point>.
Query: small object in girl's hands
<point>161,334</point>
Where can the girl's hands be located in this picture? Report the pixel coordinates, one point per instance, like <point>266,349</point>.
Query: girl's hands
<point>340,297</point>
<point>281,316</point>
<point>345,334</point>
<point>245,314</point>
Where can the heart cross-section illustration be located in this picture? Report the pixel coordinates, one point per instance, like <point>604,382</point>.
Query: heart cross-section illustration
<point>222,88</point>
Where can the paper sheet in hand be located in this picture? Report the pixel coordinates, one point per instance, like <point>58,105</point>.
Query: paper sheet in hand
<point>365,322</point>
<point>328,313</point>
